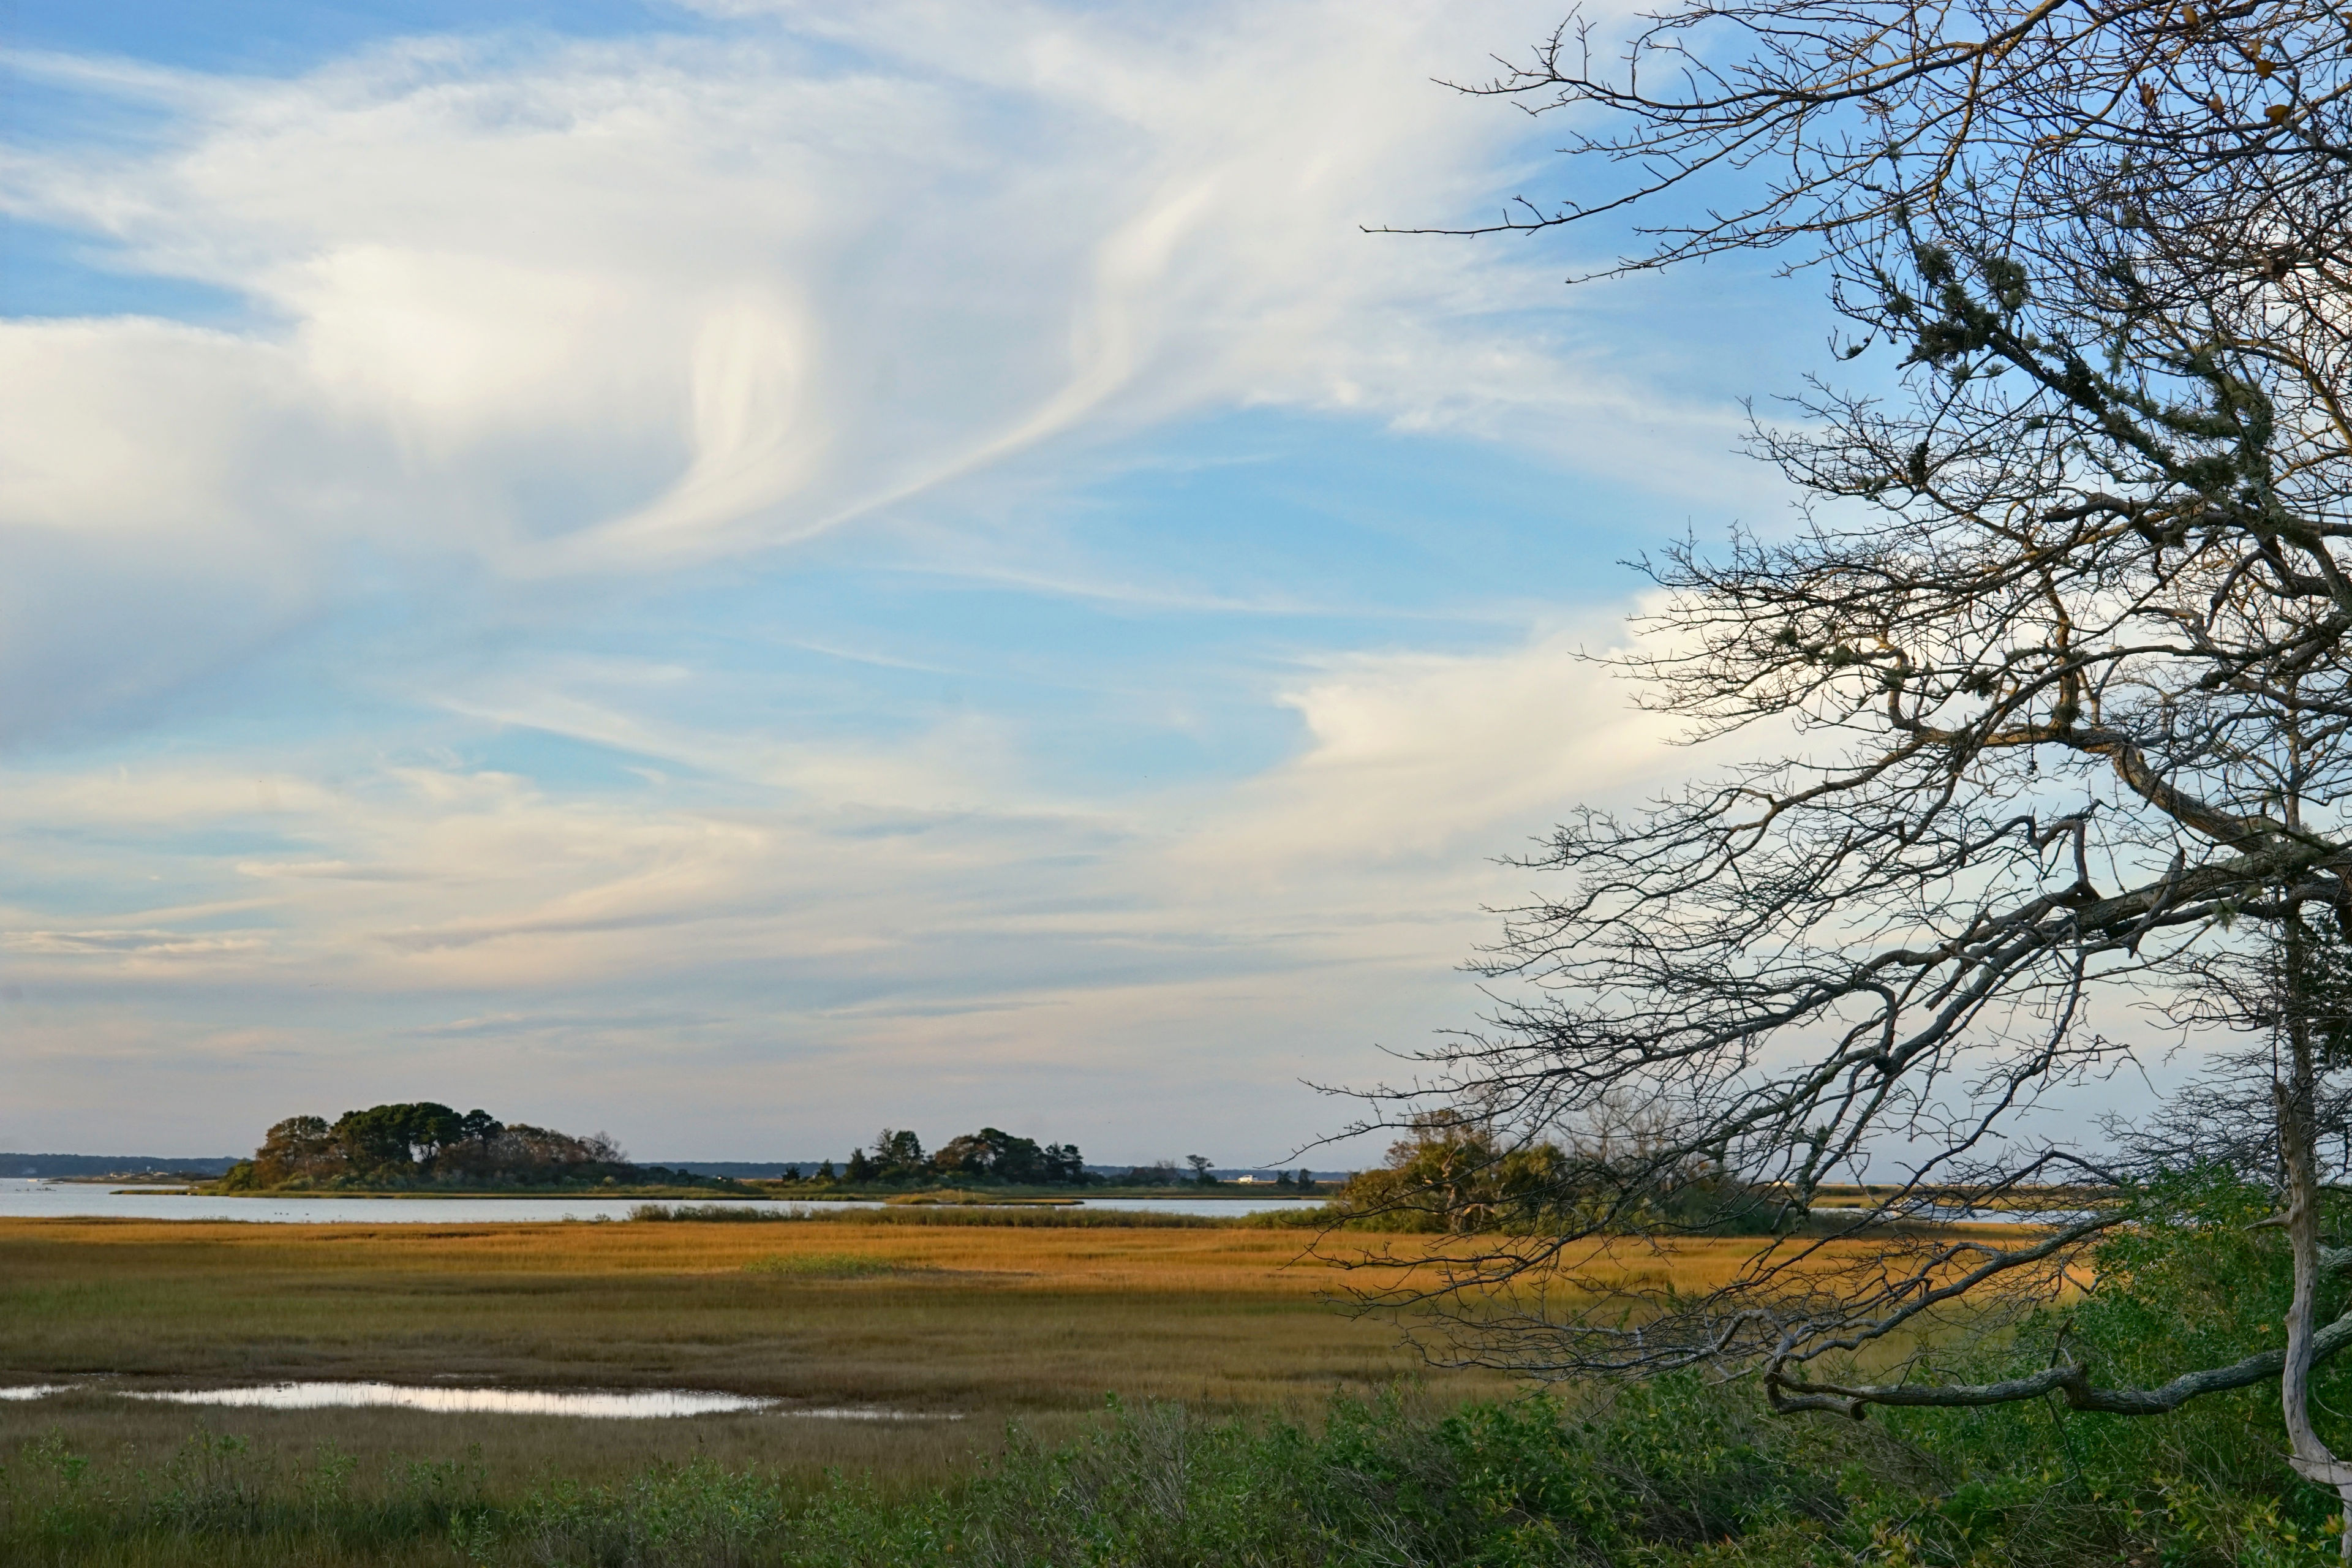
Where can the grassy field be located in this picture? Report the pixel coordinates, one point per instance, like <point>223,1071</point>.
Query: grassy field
<point>978,1326</point>
<point>982,1324</point>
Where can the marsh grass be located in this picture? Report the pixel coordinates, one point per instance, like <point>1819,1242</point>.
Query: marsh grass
<point>968,1197</point>
<point>927,1209</point>
<point>1399,1478</point>
<point>830,1266</point>
<point>992,1323</point>
<point>988,1320</point>
<point>1675,1475</point>
<point>1271,1433</point>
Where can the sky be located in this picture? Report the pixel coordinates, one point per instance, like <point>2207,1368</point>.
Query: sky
<point>739,573</point>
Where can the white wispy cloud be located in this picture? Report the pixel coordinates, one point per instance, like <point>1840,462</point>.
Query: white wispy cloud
<point>530,318</point>
<point>885,917</point>
<point>606,307</point>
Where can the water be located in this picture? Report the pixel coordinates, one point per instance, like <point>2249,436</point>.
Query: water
<point>80,1200</point>
<point>601,1405</point>
<point>1210,1206</point>
<point>595,1404</point>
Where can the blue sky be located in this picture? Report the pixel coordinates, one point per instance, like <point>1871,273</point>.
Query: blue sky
<point>739,573</point>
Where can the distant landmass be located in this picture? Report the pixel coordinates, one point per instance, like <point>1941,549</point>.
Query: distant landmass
<point>744,1170</point>
<point>114,1164</point>
<point>218,1165</point>
<point>769,1170</point>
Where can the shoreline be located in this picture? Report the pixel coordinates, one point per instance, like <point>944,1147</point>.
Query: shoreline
<point>896,1197</point>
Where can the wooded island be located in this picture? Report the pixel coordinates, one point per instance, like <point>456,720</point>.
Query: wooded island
<point>426,1147</point>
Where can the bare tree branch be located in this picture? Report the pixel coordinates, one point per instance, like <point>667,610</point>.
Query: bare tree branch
<point>2062,639</point>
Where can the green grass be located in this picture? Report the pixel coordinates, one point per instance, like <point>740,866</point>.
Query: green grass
<point>1675,1475</point>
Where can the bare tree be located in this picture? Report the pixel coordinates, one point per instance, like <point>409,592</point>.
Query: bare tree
<point>2062,636</point>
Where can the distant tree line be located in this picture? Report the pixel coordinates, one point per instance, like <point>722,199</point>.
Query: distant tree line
<point>897,1157</point>
<point>1166,1174</point>
<point>425,1145</point>
<point>428,1145</point>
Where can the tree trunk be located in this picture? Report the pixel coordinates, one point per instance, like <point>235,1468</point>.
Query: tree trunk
<point>2298,1099</point>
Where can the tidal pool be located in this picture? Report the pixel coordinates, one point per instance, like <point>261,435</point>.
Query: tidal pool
<point>597,1405</point>
<point>601,1404</point>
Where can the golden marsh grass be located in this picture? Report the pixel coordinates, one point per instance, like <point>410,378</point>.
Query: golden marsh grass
<point>983,1323</point>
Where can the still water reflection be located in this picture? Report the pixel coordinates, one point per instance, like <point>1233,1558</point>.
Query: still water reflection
<point>606,1405</point>
<point>601,1404</point>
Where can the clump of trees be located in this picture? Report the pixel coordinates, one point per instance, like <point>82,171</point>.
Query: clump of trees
<point>991,1155</point>
<point>897,1158</point>
<point>1450,1173</point>
<point>425,1145</point>
<point>1461,1174</point>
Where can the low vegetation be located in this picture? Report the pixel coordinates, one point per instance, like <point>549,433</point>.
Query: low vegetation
<point>830,1266</point>
<point>1259,1428</point>
<point>983,1320</point>
<point>1676,1473</point>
